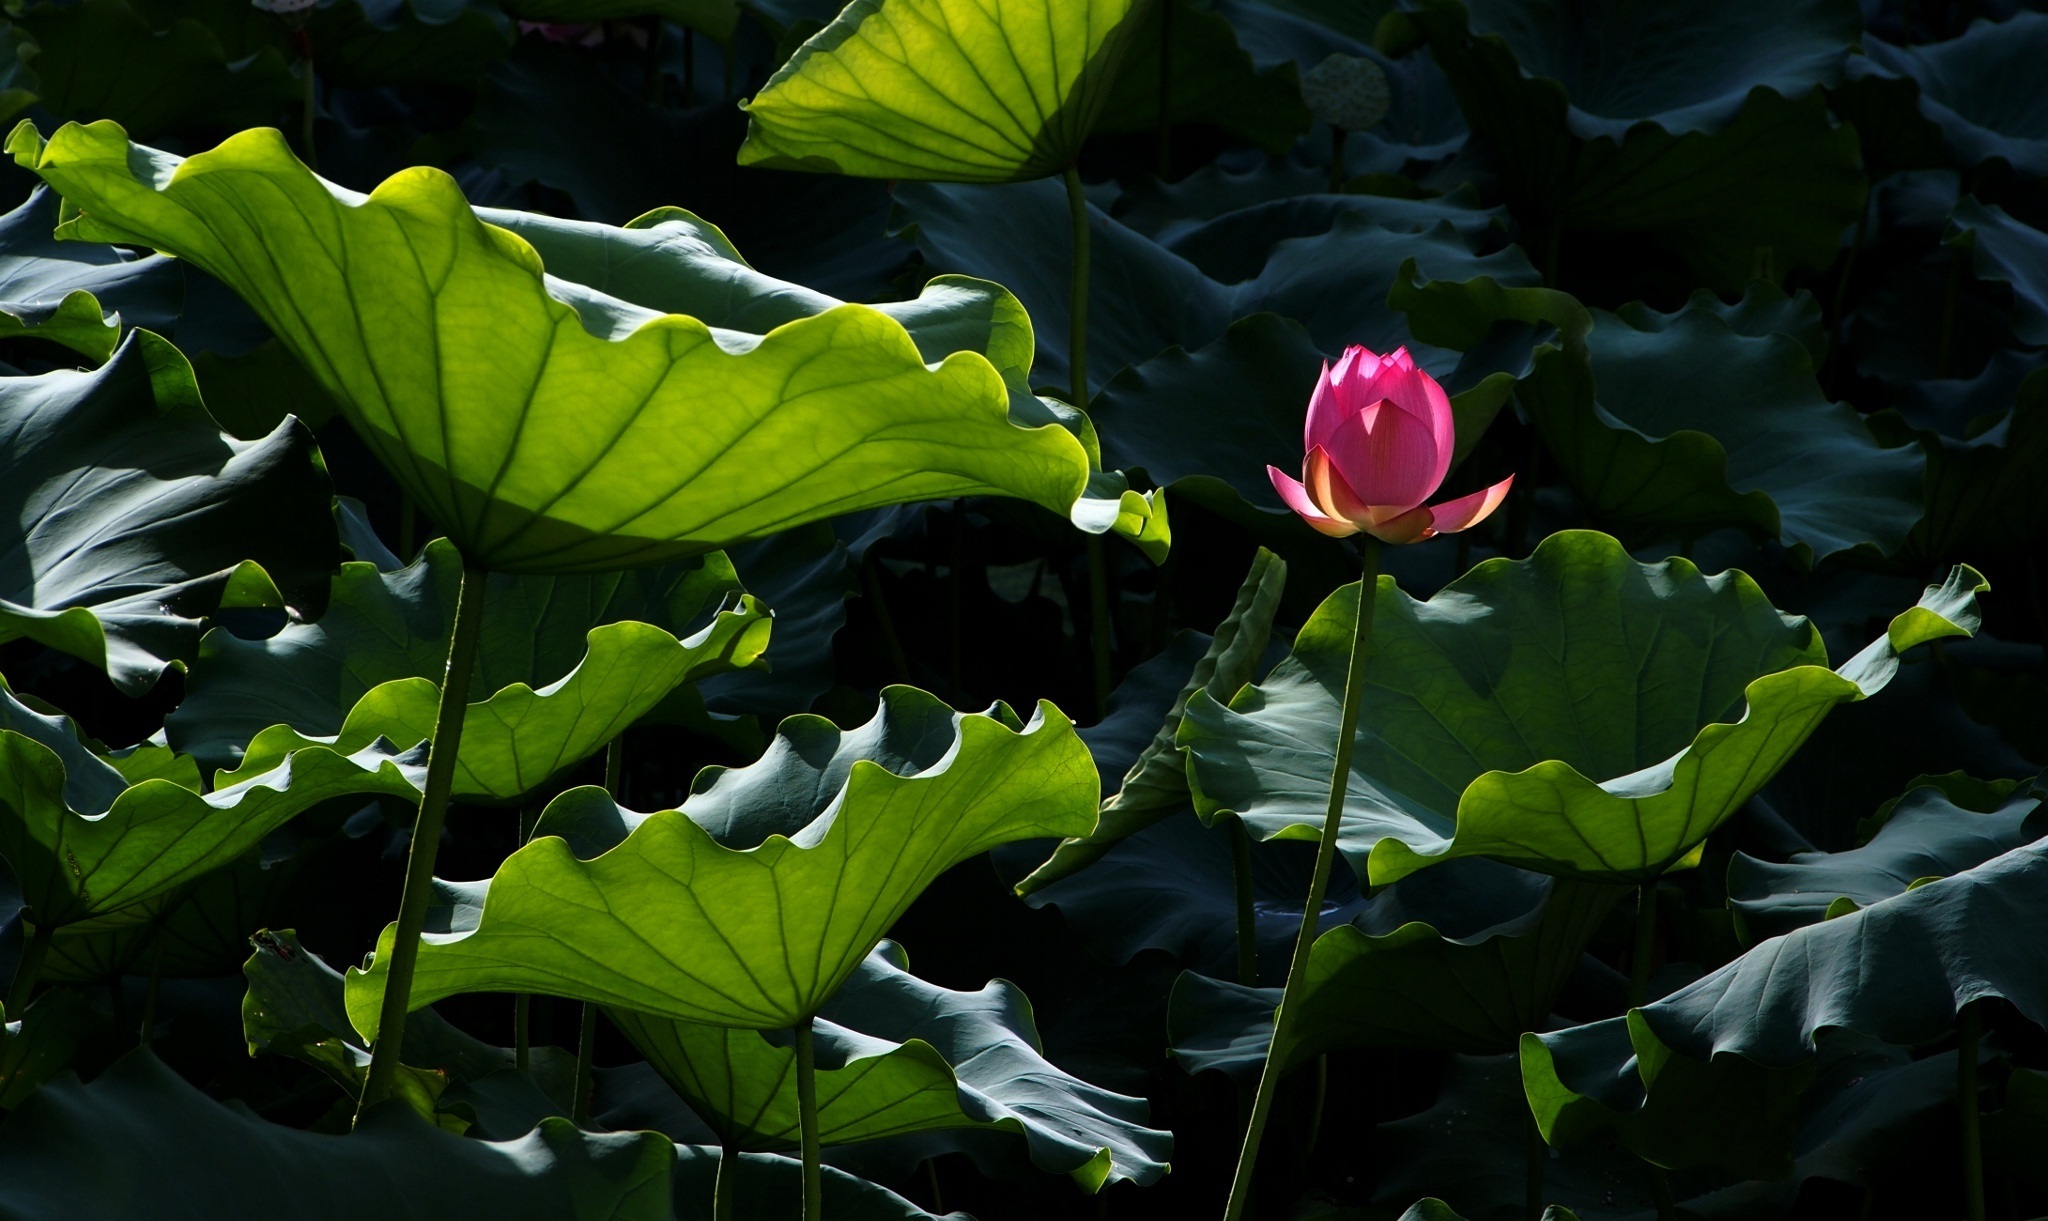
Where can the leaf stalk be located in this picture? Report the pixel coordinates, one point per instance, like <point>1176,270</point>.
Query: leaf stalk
<point>807,1120</point>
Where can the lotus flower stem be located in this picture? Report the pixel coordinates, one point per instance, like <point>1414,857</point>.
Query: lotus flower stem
<point>1646,940</point>
<point>1077,392</point>
<point>586,1039</point>
<point>1970,1031</point>
<point>807,1120</point>
<point>1319,882</point>
<point>29,969</point>
<point>1247,914</point>
<point>726,1186</point>
<point>522,1031</point>
<point>426,837</point>
<point>1538,1159</point>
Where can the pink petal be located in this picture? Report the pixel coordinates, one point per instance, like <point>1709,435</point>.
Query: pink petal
<point>1389,458</point>
<point>1297,498</point>
<point>1467,511</point>
<point>1329,489</point>
<point>1409,527</point>
<point>1325,411</point>
<point>1416,394</point>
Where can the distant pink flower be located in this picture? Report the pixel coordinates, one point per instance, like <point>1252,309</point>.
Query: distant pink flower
<point>1379,438</point>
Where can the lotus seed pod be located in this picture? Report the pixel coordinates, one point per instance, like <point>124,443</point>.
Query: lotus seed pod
<point>1347,91</point>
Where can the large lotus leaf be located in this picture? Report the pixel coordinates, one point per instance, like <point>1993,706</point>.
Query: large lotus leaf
<point>1729,157</point>
<point>1144,299</point>
<point>2003,249</point>
<point>752,904</point>
<point>138,516</point>
<point>1982,489</point>
<point>1466,963</point>
<point>85,842</point>
<point>954,90</point>
<point>354,43</point>
<point>1707,417</point>
<point>1975,88</point>
<point>140,1141</point>
<point>899,1055</point>
<point>1668,1075</point>
<point>1209,80</point>
<point>569,663</point>
<point>200,930</point>
<point>546,426</point>
<point>58,290</point>
<point>1156,785</point>
<point>1928,835</point>
<point>102,59</point>
<point>1576,713</point>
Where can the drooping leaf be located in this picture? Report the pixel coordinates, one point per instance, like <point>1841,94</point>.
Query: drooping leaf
<point>1974,89</point>
<point>1144,298</point>
<point>1927,835</point>
<point>139,516</point>
<point>544,425</point>
<point>568,662</point>
<point>1695,420</point>
<point>899,1055</point>
<point>84,842</point>
<point>57,290</point>
<point>1156,786</point>
<point>1668,1077</point>
<point>943,89</point>
<point>833,832</point>
<point>1576,713</point>
<point>139,1139</point>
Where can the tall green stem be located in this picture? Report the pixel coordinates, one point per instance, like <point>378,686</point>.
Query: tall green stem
<point>30,968</point>
<point>426,837</point>
<point>1971,1031</point>
<point>522,1031</point>
<point>1077,392</point>
<point>807,1120</point>
<point>1247,913</point>
<point>1319,884</point>
<point>1646,940</point>
<point>726,1186</point>
<point>586,1038</point>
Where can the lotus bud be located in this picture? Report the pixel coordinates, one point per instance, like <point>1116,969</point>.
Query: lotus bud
<point>1378,440</point>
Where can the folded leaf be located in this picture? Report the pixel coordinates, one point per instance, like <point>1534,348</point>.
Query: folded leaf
<point>1576,713</point>
<point>544,425</point>
<point>750,906</point>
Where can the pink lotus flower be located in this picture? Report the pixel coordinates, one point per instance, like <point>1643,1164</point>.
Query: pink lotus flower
<point>1379,439</point>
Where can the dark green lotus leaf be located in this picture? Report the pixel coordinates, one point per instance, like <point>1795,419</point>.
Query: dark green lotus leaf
<point>104,59</point>
<point>1144,299</point>
<point>139,516</point>
<point>1927,835</point>
<point>140,1141</point>
<point>1982,489</point>
<point>40,1042</point>
<point>713,17</point>
<point>2007,251</point>
<point>898,1055</point>
<point>356,43</point>
<point>937,89</point>
<point>1698,130</point>
<point>1234,244</point>
<point>1690,421</point>
<point>1210,80</point>
<point>1628,711</point>
<point>833,832</point>
<point>57,290</point>
<point>1974,88</point>
<point>544,425</point>
<point>770,1185</point>
<point>1668,1075</point>
<point>86,842</point>
<point>804,576</point>
<point>569,663</point>
<point>1156,785</point>
<point>1464,963</point>
<point>18,84</point>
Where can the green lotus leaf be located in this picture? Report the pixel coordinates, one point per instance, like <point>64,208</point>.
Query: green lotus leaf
<point>85,843</point>
<point>1981,490</point>
<point>1156,785</point>
<point>57,291</point>
<point>40,1042</point>
<point>2012,253</point>
<point>1706,417</point>
<point>831,835</point>
<point>943,89</point>
<point>1664,1077</point>
<point>1576,713</point>
<point>1144,298</point>
<point>1699,130</point>
<point>713,17</point>
<point>139,516</point>
<point>544,425</point>
<point>804,576</point>
<point>104,59</point>
<point>197,931</point>
<point>1210,80</point>
<point>899,1055</point>
<point>139,1139</point>
<point>1464,965</point>
<point>1972,88</point>
<point>1927,834</point>
<point>570,662</point>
